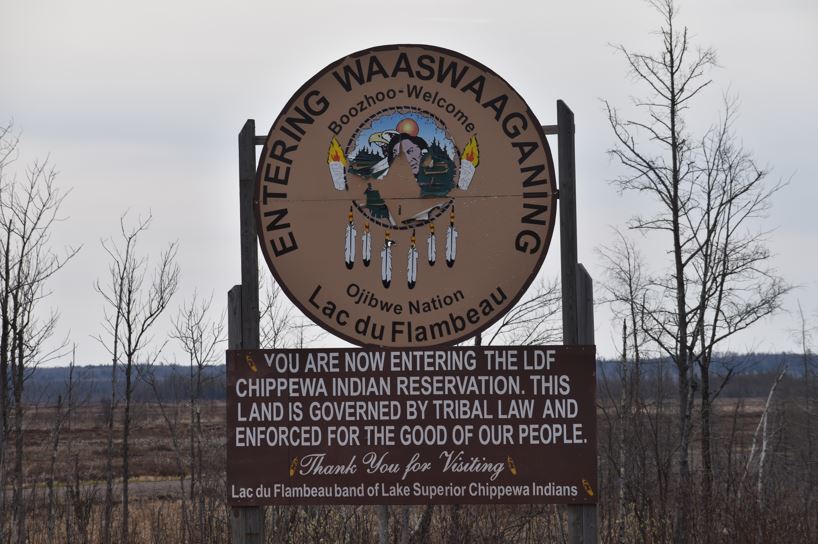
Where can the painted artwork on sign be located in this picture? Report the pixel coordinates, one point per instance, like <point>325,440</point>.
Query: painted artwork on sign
<point>412,204</point>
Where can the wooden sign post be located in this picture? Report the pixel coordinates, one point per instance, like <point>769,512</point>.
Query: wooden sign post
<point>577,292</point>
<point>246,522</point>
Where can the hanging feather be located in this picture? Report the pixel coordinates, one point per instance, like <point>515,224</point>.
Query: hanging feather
<point>451,245</point>
<point>366,245</point>
<point>349,243</point>
<point>451,241</point>
<point>431,245</point>
<point>412,264</point>
<point>386,261</point>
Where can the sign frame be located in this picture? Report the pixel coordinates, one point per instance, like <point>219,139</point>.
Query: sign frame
<point>513,298</point>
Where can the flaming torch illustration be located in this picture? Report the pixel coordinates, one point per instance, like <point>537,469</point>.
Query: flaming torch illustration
<point>337,165</point>
<point>468,163</point>
<point>349,242</point>
<point>366,245</point>
<point>431,245</point>
<point>451,241</point>
<point>386,260</point>
<point>412,265</point>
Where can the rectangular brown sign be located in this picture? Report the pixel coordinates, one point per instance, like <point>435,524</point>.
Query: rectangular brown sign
<point>444,426</point>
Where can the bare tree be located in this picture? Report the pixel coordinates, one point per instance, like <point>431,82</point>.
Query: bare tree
<point>708,191</point>
<point>200,336</point>
<point>8,153</point>
<point>112,326</point>
<point>29,212</point>
<point>627,292</point>
<point>762,435</point>
<point>735,283</point>
<point>61,417</point>
<point>170,403</point>
<point>71,506</point>
<point>534,320</point>
<point>809,395</point>
<point>276,319</point>
<point>134,301</point>
<point>281,325</point>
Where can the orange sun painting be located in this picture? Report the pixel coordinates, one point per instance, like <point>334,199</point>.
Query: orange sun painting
<point>408,126</point>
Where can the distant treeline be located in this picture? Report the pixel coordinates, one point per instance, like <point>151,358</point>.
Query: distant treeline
<point>93,382</point>
<point>749,363</point>
<point>749,377</point>
<point>737,375</point>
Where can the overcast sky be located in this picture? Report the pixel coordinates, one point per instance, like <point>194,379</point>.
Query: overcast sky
<point>138,105</point>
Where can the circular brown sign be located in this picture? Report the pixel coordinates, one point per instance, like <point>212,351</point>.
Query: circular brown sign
<point>405,197</point>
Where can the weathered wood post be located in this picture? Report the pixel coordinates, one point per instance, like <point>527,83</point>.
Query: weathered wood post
<point>249,236</point>
<point>568,222</point>
<point>246,523</point>
<point>582,518</point>
<point>577,292</point>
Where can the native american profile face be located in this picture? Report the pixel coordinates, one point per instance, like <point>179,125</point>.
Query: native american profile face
<point>412,150</point>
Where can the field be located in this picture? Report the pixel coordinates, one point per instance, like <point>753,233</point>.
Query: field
<point>163,508</point>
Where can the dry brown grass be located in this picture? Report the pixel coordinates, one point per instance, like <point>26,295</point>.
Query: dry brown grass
<point>156,508</point>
